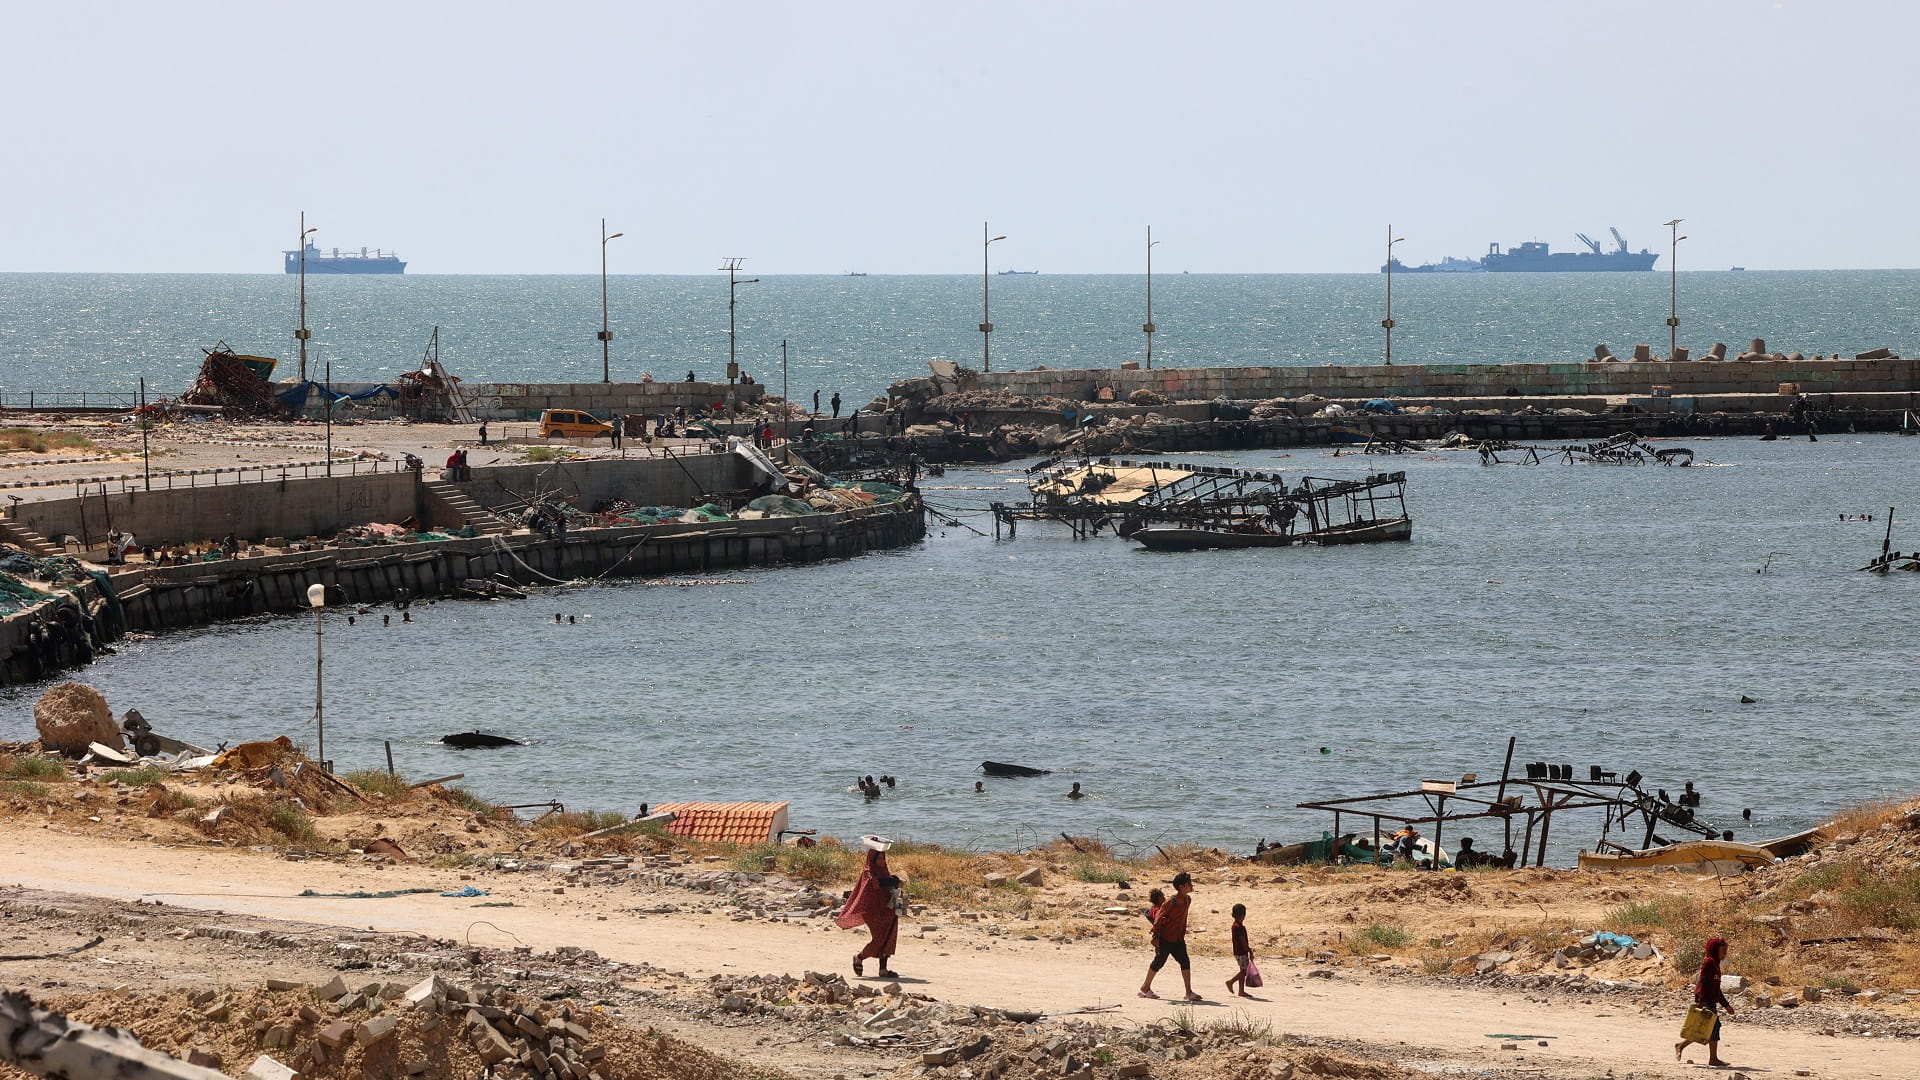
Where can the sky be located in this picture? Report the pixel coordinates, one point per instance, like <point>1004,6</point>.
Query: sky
<point>486,137</point>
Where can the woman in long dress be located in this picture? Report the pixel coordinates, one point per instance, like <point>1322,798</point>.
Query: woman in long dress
<point>871,905</point>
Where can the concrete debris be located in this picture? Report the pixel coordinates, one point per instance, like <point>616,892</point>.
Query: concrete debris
<point>71,715</point>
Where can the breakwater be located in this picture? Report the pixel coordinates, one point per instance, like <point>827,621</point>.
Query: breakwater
<point>1683,379</point>
<point>278,525</point>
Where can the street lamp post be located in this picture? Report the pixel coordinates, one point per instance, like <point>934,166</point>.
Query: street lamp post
<point>301,335</point>
<point>326,400</point>
<point>1387,323</point>
<point>1673,287</point>
<point>146,427</point>
<point>1148,325</point>
<point>317,599</point>
<point>732,267</point>
<point>986,316</point>
<point>606,334</point>
<point>786,406</point>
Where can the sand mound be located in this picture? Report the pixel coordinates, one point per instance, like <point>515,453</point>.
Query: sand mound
<point>71,715</point>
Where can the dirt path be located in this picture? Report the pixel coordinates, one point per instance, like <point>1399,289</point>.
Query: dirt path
<point>958,964</point>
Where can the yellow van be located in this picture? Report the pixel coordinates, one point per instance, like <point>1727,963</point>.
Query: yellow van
<point>572,424</point>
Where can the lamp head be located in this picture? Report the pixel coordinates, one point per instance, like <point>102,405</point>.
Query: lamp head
<point>616,236</point>
<point>317,595</point>
<point>996,238</point>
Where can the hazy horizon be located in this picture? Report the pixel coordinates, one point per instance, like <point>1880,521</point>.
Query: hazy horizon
<point>491,138</point>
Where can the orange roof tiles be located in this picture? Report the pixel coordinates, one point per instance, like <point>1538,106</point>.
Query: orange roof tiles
<point>726,823</point>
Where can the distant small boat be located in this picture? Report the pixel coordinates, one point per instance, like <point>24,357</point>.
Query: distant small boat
<point>856,273</point>
<point>1017,273</point>
<point>478,740</point>
<point>1739,269</point>
<point>1001,768</point>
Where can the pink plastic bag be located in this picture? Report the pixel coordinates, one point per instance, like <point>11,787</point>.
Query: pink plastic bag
<point>1253,975</point>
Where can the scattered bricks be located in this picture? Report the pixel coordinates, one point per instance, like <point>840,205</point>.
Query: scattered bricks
<point>277,1037</point>
<point>537,1060</point>
<point>425,990</point>
<point>1032,875</point>
<point>993,880</point>
<point>1810,994</point>
<point>284,984</point>
<point>575,1031</point>
<point>555,1026</point>
<point>219,1013</point>
<point>490,1044</point>
<point>351,1002</point>
<point>265,1068</point>
<point>1084,1072</point>
<point>371,991</point>
<point>1509,1046</point>
<point>310,1014</point>
<point>592,1053</point>
<point>203,1057</point>
<point>336,1034</point>
<point>332,990</point>
<point>1130,1072</point>
<point>392,991</point>
<point>971,1050</point>
<point>203,997</point>
<point>375,1029</point>
<point>946,1055</point>
<point>528,1026</point>
<point>415,1065</point>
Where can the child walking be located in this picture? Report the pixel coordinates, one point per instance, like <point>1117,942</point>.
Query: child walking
<point>1242,950</point>
<point>1170,937</point>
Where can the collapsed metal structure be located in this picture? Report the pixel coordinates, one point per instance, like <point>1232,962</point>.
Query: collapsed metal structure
<point>1088,495</point>
<point>1553,788</point>
<point>1626,448</point>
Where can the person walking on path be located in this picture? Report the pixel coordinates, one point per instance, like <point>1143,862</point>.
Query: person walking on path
<point>483,433</point>
<point>835,402</point>
<point>1170,937</point>
<point>1242,951</point>
<point>1708,995</point>
<point>873,904</point>
<point>816,402</point>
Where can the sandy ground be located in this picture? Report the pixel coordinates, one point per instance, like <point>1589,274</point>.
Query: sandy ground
<point>1437,1025</point>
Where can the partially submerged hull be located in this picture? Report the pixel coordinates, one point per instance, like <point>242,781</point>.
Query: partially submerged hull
<point>1360,532</point>
<point>1719,855</point>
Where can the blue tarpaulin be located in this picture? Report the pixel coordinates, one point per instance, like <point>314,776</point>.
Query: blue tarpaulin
<point>296,396</point>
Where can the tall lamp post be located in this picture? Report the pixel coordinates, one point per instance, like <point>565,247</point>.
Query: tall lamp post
<point>1673,286</point>
<point>1148,325</point>
<point>301,335</point>
<point>317,599</point>
<point>986,316</point>
<point>1387,323</point>
<point>732,266</point>
<point>606,334</point>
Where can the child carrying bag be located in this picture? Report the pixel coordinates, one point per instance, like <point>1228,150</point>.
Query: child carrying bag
<point>1253,975</point>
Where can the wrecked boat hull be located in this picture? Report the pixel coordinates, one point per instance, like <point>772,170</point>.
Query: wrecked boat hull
<point>1720,856</point>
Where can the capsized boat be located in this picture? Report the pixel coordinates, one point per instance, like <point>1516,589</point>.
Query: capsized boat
<point>1719,856</point>
<point>1326,512</point>
<point>1001,768</point>
<point>478,740</point>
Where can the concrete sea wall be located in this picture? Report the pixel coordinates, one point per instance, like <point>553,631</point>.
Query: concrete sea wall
<point>1686,378</point>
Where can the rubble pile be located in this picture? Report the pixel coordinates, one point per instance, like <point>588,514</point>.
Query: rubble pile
<point>996,400</point>
<point>431,1030</point>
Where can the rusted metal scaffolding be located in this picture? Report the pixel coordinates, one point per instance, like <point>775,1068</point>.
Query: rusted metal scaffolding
<point>1553,789</point>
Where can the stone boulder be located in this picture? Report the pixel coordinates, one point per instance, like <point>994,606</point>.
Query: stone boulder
<point>71,715</point>
<point>1144,396</point>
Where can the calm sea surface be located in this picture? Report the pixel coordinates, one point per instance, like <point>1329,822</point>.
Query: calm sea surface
<point>1608,616</point>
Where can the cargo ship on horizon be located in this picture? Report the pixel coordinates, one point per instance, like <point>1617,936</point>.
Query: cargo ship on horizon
<point>333,261</point>
<point>1534,257</point>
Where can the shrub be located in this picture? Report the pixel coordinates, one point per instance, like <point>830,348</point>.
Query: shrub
<point>820,863</point>
<point>168,801</point>
<point>575,822</point>
<point>541,453</point>
<point>1375,936</point>
<point>291,823</point>
<point>33,789</point>
<point>34,768</point>
<point>751,859</point>
<point>377,782</point>
<point>140,777</point>
<point>468,801</point>
<point>1089,869</point>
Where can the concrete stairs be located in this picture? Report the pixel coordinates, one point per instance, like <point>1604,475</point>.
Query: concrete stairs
<point>27,540</point>
<point>464,505</point>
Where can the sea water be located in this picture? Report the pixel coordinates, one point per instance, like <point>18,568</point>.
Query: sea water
<point>1603,615</point>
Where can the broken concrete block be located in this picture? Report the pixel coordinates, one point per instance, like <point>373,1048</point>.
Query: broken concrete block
<point>265,1068</point>
<point>490,1044</point>
<point>1032,875</point>
<point>336,1034</point>
<point>375,1029</point>
<point>331,990</point>
<point>946,1055</point>
<point>276,1037</point>
<point>1129,1072</point>
<point>203,1057</point>
<point>284,984</point>
<point>415,1065</point>
<point>993,880</point>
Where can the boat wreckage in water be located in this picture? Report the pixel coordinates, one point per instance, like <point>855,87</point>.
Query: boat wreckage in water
<point>478,740</point>
<point>1186,507</point>
<point>1625,448</point>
